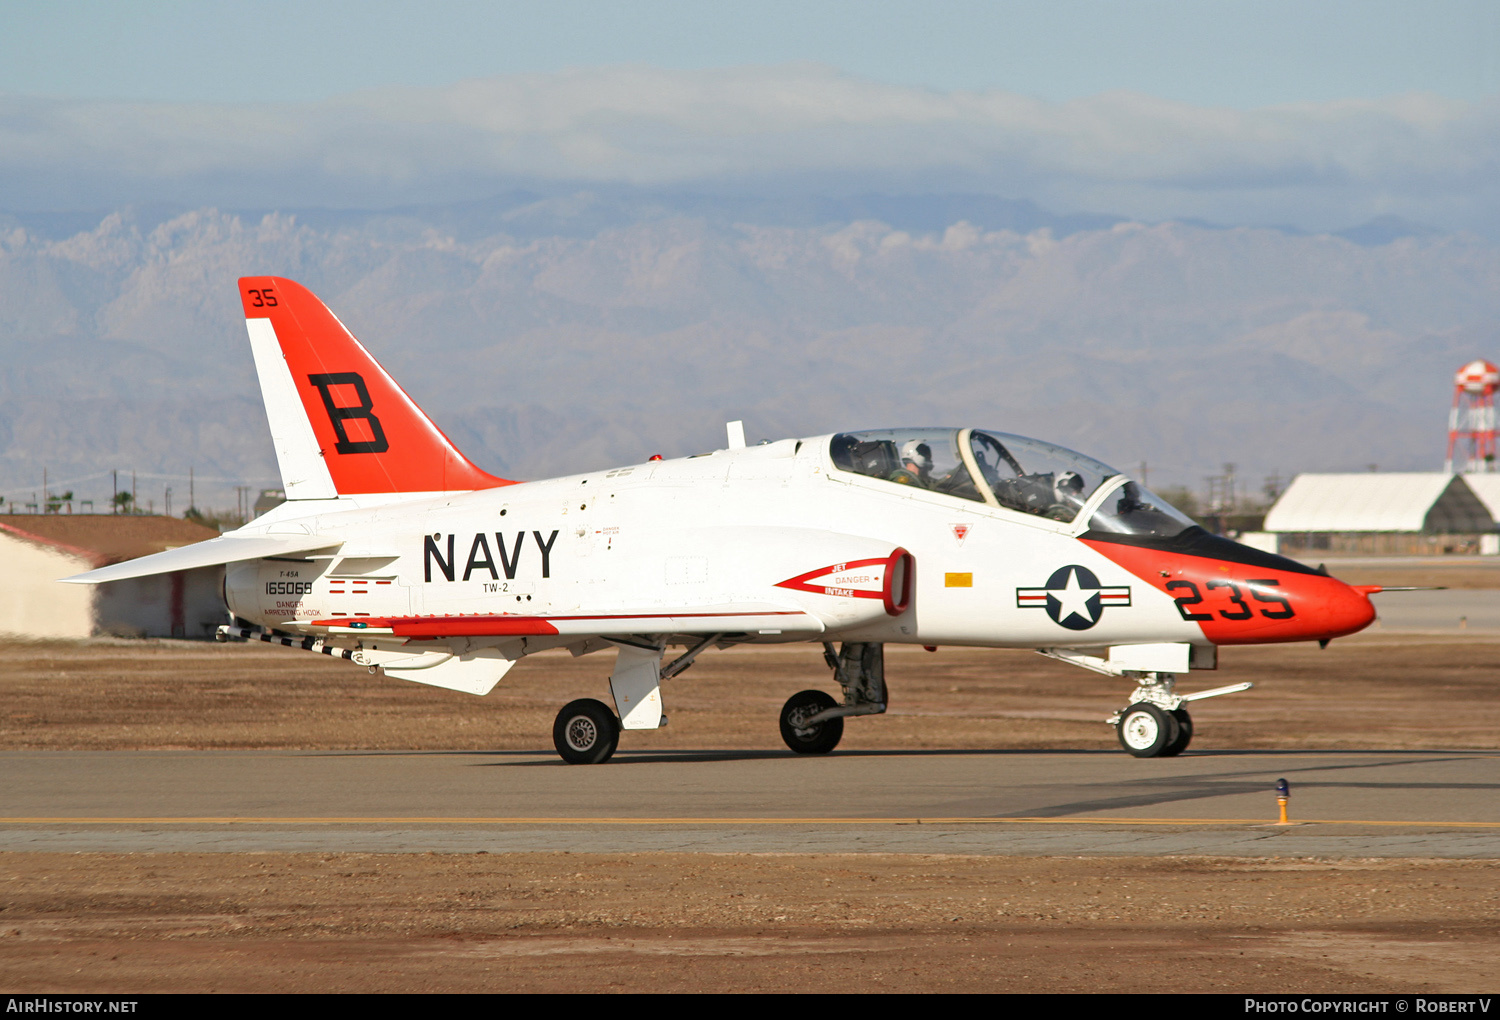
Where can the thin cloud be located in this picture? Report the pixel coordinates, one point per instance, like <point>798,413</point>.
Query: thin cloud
<point>1421,156</point>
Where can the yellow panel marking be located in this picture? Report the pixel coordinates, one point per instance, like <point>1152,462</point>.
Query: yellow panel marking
<point>958,580</point>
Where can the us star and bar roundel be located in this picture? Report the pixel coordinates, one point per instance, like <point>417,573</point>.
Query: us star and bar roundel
<point>1073,597</point>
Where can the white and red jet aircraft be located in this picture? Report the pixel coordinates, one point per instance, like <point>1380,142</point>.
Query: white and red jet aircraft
<point>394,551</point>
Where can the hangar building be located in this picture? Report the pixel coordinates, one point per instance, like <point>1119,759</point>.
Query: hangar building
<point>38,549</point>
<point>1487,488</point>
<point>1392,513</point>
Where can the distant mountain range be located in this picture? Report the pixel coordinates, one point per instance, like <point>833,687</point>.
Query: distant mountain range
<point>557,333</point>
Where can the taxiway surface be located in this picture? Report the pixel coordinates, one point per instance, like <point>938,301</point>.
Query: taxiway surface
<point>1450,611</point>
<point>1347,803</point>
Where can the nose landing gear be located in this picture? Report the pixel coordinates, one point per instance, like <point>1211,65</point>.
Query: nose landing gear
<point>1155,724</point>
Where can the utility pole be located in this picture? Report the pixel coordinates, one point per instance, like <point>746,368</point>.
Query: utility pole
<point>1272,488</point>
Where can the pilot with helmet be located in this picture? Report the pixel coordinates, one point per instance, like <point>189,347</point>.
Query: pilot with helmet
<point>916,465</point>
<point>1067,489</point>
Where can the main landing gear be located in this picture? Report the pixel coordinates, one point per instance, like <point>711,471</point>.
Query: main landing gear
<point>586,732</point>
<point>802,734</point>
<point>812,722</point>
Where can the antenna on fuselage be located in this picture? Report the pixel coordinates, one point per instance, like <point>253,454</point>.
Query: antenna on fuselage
<point>736,430</point>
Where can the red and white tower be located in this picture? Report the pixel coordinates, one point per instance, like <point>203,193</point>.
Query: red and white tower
<point>1472,419</point>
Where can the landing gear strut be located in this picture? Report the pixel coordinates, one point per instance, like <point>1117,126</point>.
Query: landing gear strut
<point>812,722</point>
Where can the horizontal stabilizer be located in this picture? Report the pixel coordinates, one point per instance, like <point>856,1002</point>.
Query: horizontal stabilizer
<point>721,619</point>
<point>229,548</point>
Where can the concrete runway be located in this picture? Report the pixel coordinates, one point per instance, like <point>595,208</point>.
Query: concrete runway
<point>1348,803</point>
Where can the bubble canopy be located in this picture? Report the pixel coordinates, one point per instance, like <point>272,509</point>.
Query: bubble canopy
<point>1000,469</point>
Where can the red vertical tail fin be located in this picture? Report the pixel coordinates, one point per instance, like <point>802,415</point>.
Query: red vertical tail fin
<point>341,424</point>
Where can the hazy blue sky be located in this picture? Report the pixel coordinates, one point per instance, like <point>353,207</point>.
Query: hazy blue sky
<point>1204,52</point>
<point>1318,115</point>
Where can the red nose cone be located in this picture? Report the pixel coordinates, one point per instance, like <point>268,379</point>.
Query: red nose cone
<point>1249,599</point>
<point>1320,608</point>
<point>1346,610</point>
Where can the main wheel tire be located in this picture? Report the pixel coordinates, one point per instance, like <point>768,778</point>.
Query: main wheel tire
<point>586,732</point>
<point>819,738</point>
<point>1146,731</point>
<point>1184,733</point>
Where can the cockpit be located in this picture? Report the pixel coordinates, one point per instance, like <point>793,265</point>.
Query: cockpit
<point>999,469</point>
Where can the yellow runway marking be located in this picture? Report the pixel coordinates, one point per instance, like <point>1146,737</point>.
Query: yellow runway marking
<point>414,820</point>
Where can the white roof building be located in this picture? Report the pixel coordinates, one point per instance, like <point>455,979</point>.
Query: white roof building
<point>1370,501</point>
<point>1487,488</point>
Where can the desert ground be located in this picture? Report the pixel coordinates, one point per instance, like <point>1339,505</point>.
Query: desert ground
<point>269,922</point>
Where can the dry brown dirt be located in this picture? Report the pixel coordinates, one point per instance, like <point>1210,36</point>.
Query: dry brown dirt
<point>664,922</point>
<point>761,922</point>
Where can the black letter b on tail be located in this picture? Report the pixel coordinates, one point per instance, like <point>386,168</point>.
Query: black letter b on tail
<point>338,415</point>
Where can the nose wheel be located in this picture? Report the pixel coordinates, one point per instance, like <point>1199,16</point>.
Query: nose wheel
<point>1150,731</point>
<point>1184,733</point>
<point>586,732</point>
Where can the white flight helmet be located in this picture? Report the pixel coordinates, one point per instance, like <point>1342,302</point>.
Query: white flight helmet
<point>917,452</point>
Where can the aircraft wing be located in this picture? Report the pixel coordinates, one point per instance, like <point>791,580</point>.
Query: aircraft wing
<point>229,548</point>
<point>727,618</point>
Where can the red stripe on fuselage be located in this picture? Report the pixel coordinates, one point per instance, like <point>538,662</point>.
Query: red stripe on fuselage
<point>1243,604</point>
<point>484,625</point>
